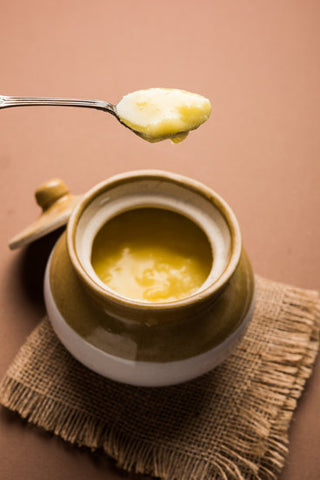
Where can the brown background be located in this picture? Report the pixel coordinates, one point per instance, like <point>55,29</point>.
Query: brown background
<point>258,62</point>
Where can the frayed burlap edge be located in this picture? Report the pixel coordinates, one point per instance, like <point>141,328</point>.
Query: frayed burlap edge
<point>285,368</point>
<point>294,357</point>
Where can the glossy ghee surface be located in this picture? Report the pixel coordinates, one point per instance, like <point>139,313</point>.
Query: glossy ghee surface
<point>160,113</point>
<point>152,254</point>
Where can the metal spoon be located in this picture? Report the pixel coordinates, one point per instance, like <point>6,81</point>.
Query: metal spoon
<point>9,101</point>
<point>6,102</point>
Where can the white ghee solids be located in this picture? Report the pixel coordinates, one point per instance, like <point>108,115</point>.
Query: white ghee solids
<point>160,113</point>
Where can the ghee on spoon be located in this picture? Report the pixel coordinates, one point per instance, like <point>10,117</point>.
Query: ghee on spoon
<point>159,113</point>
<point>154,114</point>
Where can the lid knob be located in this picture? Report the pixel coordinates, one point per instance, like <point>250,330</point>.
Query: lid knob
<point>57,204</point>
<point>50,192</point>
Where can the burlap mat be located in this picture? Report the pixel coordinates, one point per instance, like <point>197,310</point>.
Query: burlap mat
<point>229,424</point>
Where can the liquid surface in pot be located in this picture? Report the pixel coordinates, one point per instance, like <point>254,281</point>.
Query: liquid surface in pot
<point>152,254</point>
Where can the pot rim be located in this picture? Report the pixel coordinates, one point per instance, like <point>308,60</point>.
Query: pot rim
<point>181,180</point>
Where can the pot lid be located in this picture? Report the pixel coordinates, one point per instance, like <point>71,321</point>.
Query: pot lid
<point>57,204</point>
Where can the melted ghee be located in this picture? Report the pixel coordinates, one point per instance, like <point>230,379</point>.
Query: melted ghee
<point>160,113</point>
<point>152,254</point>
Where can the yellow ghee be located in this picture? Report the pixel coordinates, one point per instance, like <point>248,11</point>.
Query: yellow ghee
<point>152,254</point>
<point>160,113</point>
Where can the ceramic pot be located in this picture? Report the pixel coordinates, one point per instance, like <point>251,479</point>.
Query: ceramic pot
<point>143,343</point>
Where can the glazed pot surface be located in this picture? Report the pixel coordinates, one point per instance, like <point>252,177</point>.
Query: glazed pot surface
<point>145,343</point>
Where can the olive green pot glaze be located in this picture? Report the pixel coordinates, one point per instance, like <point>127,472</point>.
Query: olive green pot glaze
<point>138,342</point>
<point>174,339</point>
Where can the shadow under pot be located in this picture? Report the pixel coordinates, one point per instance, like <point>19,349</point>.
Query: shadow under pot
<point>150,285</point>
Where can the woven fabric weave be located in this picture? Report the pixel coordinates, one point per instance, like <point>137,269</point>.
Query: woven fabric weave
<point>231,423</point>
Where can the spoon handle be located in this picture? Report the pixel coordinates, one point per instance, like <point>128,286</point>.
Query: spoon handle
<point>6,102</point>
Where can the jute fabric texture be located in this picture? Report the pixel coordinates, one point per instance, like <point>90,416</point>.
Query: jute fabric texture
<point>232,423</point>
